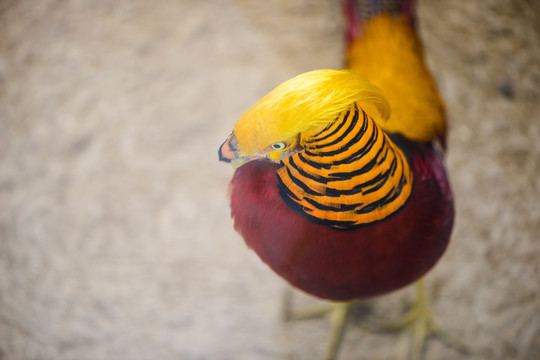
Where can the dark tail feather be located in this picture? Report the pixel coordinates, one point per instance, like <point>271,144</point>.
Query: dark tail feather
<point>357,12</point>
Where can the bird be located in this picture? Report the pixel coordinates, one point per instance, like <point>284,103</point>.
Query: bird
<point>340,184</point>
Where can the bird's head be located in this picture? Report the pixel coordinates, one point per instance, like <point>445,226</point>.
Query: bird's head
<point>280,123</point>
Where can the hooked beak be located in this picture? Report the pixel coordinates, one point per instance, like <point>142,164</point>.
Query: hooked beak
<point>228,152</point>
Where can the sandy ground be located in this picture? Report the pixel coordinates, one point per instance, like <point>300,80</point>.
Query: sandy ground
<point>115,236</point>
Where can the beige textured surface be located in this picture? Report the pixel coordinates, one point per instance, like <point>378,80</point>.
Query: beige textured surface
<point>115,237</point>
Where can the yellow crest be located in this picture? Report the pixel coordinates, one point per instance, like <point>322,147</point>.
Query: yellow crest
<point>302,106</point>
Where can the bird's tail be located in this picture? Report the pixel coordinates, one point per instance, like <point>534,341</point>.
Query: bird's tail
<point>358,12</point>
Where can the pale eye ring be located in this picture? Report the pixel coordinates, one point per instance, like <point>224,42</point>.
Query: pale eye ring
<point>278,146</point>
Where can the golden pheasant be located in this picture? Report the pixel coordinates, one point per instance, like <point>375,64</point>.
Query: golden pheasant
<point>339,184</point>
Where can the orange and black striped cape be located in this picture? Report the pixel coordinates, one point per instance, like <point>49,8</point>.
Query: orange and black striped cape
<point>348,175</point>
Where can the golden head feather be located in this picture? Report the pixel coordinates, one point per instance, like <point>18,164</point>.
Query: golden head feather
<point>303,105</point>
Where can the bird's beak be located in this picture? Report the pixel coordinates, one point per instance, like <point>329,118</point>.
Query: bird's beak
<point>228,152</point>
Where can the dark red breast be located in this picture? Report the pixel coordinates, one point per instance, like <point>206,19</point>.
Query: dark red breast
<point>343,265</point>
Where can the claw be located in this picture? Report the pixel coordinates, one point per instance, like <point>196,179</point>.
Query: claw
<point>422,325</point>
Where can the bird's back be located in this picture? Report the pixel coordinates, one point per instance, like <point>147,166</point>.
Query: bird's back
<point>388,52</point>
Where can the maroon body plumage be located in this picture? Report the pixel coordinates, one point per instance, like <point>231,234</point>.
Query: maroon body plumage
<point>341,265</point>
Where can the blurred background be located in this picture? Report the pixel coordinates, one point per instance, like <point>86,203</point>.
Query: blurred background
<point>115,235</point>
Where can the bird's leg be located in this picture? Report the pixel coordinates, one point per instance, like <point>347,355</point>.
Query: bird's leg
<point>419,319</point>
<point>337,314</point>
<point>338,320</point>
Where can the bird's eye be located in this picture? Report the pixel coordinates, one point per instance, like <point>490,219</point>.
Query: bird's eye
<point>278,146</point>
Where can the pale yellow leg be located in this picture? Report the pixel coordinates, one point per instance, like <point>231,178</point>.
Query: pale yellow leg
<point>338,320</point>
<point>337,314</point>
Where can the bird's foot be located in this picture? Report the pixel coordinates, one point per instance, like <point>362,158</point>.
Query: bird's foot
<point>417,325</point>
<point>420,325</point>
